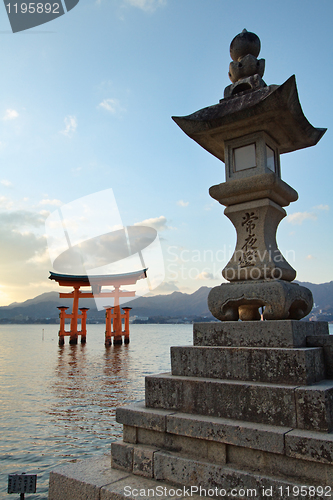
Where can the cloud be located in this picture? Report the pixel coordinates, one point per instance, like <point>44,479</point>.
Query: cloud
<point>146,5</point>
<point>321,207</point>
<point>18,242</point>
<point>209,206</point>
<point>10,114</point>
<point>20,218</point>
<point>165,288</point>
<point>158,223</point>
<point>182,203</point>
<point>300,217</point>
<point>70,126</point>
<point>5,203</point>
<point>6,183</point>
<point>54,202</point>
<point>205,276</point>
<point>112,106</point>
<point>24,260</point>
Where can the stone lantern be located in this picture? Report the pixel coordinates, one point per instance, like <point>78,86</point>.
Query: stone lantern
<point>248,130</point>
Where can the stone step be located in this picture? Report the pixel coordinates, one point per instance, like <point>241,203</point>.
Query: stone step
<point>296,366</point>
<point>302,444</point>
<point>280,333</point>
<point>303,407</point>
<point>137,417</point>
<point>184,471</point>
<point>93,479</point>
<point>244,471</point>
<point>326,343</point>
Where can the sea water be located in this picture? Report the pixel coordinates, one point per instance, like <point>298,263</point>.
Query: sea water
<point>58,403</point>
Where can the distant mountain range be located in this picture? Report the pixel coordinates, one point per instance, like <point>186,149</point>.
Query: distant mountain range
<point>175,305</point>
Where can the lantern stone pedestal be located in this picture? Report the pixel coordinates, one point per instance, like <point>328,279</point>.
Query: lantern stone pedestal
<point>249,405</point>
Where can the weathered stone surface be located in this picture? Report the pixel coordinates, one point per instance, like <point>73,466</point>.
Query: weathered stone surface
<point>244,43</point>
<point>130,434</point>
<point>254,82</point>
<point>239,71</point>
<point>280,465</point>
<point>272,365</point>
<point>255,111</point>
<point>312,446</point>
<point>82,480</point>
<point>122,456</point>
<point>283,333</point>
<point>256,255</point>
<point>93,479</point>
<point>151,438</point>
<point>238,433</point>
<point>242,300</point>
<point>183,471</point>
<point>138,415</point>
<point>188,446</point>
<point>326,342</point>
<point>221,430</point>
<point>256,402</point>
<point>143,461</point>
<point>134,487</point>
<point>244,50</point>
<point>314,406</point>
<point>267,185</point>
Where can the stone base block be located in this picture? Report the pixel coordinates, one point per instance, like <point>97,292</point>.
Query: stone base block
<point>312,446</point>
<point>93,479</point>
<point>303,407</point>
<point>246,468</point>
<point>272,365</point>
<point>283,333</point>
<point>326,343</point>
<point>181,450</point>
<point>185,471</point>
<point>136,420</point>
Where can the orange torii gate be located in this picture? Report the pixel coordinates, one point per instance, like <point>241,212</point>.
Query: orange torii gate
<point>114,316</point>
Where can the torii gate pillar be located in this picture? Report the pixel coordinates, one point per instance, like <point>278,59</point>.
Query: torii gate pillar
<point>114,326</point>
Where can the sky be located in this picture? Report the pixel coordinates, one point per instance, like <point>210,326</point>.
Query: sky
<point>85,105</point>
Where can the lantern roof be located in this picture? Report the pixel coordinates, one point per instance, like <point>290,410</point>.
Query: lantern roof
<point>274,109</point>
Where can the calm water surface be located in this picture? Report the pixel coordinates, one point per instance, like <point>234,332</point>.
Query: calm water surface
<point>58,403</point>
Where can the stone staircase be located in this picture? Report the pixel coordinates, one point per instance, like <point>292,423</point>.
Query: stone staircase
<point>247,408</point>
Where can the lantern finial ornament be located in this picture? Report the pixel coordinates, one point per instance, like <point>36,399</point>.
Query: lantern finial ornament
<point>245,70</point>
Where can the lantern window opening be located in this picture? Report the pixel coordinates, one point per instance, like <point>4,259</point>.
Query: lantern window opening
<point>244,157</point>
<point>270,155</point>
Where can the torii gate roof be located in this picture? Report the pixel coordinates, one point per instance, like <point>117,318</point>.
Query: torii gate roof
<point>105,279</point>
